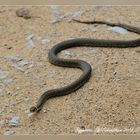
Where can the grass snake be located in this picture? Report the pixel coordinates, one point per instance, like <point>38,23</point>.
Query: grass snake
<point>84,66</point>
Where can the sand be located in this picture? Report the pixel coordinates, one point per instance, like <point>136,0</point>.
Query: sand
<point>108,104</point>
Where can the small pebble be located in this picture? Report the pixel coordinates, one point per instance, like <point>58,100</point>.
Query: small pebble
<point>18,88</point>
<point>26,98</point>
<point>119,30</point>
<point>66,52</point>
<point>114,73</point>
<point>8,132</point>
<point>87,29</point>
<point>13,58</point>
<point>31,65</point>
<point>56,20</point>
<point>18,67</point>
<point>14,121</point>
<point>73,15</point>
<point>27,74</point>
<point>91,88</point>
<point>54,10</point>
<point>23,63</point>
<point>56,34</point>
<point>45,110</point>
<point>30,114</point>
<point>56,14</point>
<point>3,74</point>
<point>23,13</point>
<point>45,39</point>
<point>84,131</point>
<point>30,41</point>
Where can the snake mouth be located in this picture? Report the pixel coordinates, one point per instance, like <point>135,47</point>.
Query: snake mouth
<point>34,109</point>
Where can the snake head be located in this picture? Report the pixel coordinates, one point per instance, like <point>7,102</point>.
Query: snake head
<point>34,109</point>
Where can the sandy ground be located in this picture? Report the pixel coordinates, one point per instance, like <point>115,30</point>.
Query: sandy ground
<point>108,104</point>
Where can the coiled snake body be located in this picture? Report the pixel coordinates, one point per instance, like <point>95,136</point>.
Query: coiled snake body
<point>84,66</point>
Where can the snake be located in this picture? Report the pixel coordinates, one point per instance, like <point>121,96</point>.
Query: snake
<point>80,64</point>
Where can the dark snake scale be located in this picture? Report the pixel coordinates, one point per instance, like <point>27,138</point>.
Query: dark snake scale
<point>84,66</point>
